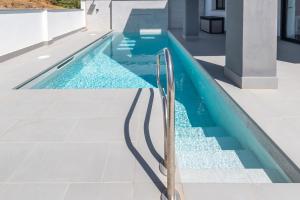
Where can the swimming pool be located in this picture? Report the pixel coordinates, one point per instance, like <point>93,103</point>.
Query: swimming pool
<point>214,141</point>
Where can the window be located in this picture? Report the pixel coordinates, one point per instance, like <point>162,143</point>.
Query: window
<point>220,4</point>
<point>291,20</point>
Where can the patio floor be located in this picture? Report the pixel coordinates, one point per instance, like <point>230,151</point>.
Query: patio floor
<point>81,144</point>
<point>106,144</point>
<point>76,144</point>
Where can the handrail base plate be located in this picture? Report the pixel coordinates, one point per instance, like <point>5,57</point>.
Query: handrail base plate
<point>176,196</point>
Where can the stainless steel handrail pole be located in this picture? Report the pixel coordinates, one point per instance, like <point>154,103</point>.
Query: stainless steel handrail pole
<point>169,119</point>
<point>163,165</point>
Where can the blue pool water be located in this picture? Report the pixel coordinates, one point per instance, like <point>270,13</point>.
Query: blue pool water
<point>129,61</point>
<point>213,136</point>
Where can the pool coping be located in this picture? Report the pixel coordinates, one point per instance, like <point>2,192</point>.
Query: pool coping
<point>16,71</point>
<point>58,64</point>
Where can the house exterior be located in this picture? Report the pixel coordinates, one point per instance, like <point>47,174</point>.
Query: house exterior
<point>170,14</point>
<point>252,28</point>
<point>288,18</point>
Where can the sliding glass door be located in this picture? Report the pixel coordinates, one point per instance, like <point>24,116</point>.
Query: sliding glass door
<point>291,20</point>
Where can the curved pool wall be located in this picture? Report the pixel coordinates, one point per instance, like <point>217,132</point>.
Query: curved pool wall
<point>228,115</point>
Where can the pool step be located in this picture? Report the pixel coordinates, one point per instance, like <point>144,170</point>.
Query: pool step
<point>196,144</point>
<point>226,159</point>
<point>210,155</point>
<point>199,131</point>
<point>224,176</point>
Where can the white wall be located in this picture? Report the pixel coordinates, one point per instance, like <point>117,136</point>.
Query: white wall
<point>127,16</point>
<point>98,14</point>
<point>64,21</point>
<point>20,29</point>
<point>132,16</point>
<point>25,28</point>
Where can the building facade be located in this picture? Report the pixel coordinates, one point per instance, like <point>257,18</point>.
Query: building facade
<point>252,28</point>
<point>288,18</point>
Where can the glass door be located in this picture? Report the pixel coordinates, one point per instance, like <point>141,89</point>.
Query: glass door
<point>291,20</point>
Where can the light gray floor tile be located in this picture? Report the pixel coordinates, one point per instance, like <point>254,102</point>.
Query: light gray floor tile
<point>76,110</point>
<point>11,157</point>
<point>120,164</point>
<point>104,129</point>
<point>147,169</point>
<point>6,123</point>
<point>39,130</point>
<point>146,191</point>
<point>64,162</point>
<point>32,191</point>
<point>101,191</point>
<point>21,110</point>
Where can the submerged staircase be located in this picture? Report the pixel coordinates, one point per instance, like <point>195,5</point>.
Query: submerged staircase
<point>209,155</point>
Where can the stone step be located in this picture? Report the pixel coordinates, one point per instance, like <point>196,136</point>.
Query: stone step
<point>225,176</point>
<point>197,144</point>
<point>226,159</point>
<point>200,131</point>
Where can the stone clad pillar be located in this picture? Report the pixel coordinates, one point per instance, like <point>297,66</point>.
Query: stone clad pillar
<point>251,43</point>
<point>191,22</point>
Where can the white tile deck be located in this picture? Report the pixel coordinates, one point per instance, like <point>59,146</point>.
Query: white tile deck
<point>82,156</point>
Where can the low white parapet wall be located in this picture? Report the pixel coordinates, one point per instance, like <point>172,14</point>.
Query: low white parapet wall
<point>22,30</point>
<point>126,15</point>
<point>134,16</point>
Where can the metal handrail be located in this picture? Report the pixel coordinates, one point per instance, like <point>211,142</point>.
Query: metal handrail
<point>163,165</point>
<point>168,102</point>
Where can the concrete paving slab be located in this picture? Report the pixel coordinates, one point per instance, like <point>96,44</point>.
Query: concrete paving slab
<point>119,156</point>
<point>63,162</point>
<point>39,130</point>
<point>102,129</point>
<point>95,191</point>
<point>6,123</point>
<point>33,191</point>
<point>11,157</point>
<point>86,152</point>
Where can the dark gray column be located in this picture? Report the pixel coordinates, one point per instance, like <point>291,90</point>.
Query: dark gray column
<point>191,20</point>
<point>251,43</point>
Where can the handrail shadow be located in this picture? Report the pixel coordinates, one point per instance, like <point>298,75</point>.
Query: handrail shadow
<point>155,179</point>
<point>149,142</point>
